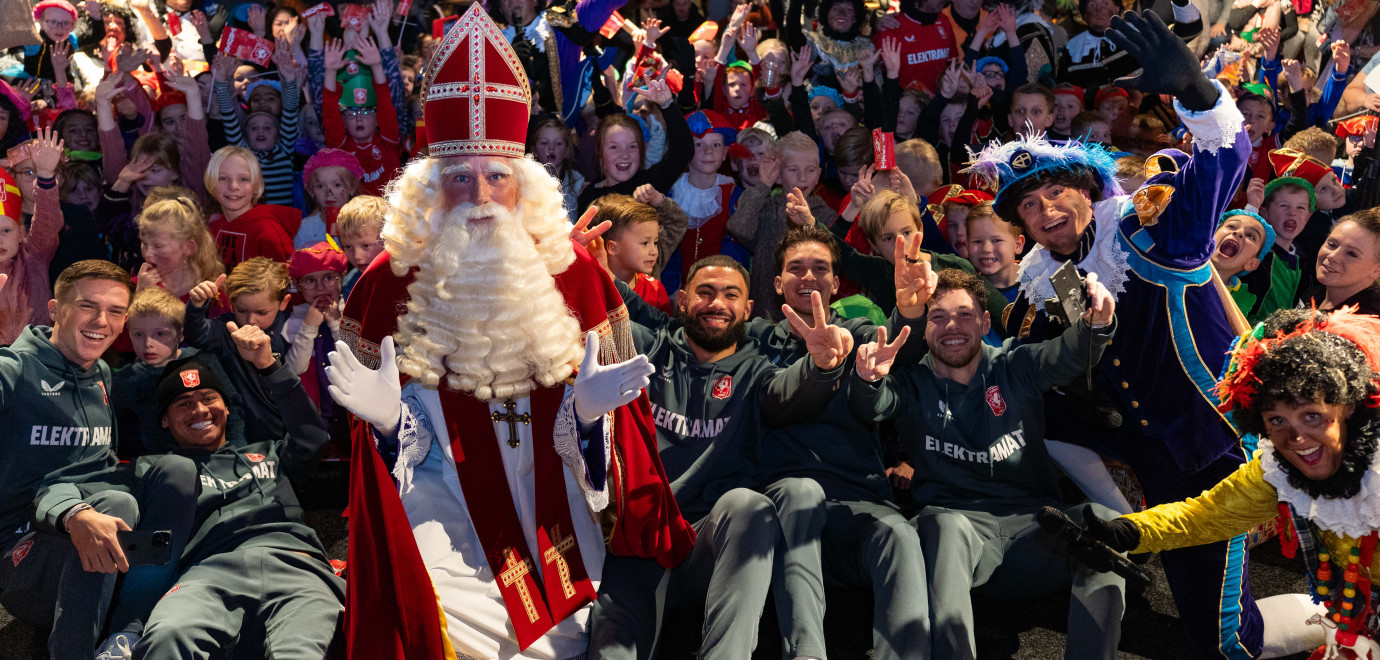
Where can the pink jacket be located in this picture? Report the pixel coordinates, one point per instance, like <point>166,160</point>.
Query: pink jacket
<point>24,300</point>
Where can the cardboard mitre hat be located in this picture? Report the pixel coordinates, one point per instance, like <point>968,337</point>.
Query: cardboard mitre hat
<point>477,99</point>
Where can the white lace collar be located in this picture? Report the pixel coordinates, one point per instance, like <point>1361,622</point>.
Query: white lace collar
<point>1106,258</point>
<point>536,32</point>
<point>699,204</point>
<point>1353,517</point>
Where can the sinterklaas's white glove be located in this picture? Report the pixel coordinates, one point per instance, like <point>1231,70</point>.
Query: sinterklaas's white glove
<point>603,388</point>
<point>374,396</point>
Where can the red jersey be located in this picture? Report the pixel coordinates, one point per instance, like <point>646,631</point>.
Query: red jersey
<point>260,232</point>
<point>379,156</point>
<point>1260,158</point>
<point>925,50</point>
<point>652,291</point>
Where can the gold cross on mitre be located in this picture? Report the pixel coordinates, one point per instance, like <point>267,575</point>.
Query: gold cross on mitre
<point>514,570</point>
<point>512,420</point>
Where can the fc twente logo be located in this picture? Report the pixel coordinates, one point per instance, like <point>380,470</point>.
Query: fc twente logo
<point>723,388</point>
<point>52,390</point>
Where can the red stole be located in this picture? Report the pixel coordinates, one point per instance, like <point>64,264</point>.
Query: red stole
<point>533,607</point>
<point>707,239</point>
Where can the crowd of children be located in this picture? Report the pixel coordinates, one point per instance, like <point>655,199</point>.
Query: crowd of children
<point>246,184</point>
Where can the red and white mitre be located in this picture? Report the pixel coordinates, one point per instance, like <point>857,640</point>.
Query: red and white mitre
<point>477,99</point>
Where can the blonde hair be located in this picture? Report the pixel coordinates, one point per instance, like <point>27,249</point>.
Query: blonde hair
<point>182,220</point>
<point>361,215</point>
<point>880,207</point>
<point>797,143</point>
<point>258,275</point>
<point>218,160</point>
<point>157,302</point>
<point>920,162</point>
<point>164,193</point>
<point>753,134</point>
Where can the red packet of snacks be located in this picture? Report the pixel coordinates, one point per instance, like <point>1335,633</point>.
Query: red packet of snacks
<point>174,24</point>
<point>325,9</point>
<point>883,149</point>
<point>246,45</point>
<point>612,26</point>
<point>354,17</point>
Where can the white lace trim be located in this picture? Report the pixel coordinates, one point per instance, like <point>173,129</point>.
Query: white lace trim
<point>414,442</point>
<point>1353,517</point>
<point>566,436</point>
<point>537,32</point>
<point>1086,43</point>
<point>1215,127</point>
<point>699,204</point>
<point>1107,258</point>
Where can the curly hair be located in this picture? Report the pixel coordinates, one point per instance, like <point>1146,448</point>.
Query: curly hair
<point>1077,177</point>
<point>1309,366</point>
<point>126,15</point>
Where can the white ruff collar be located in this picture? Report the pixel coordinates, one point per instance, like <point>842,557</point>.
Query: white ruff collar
<point>1107,258</point>
<point>699,204</point>
<point>1353,517</point>
<point>536,32</point>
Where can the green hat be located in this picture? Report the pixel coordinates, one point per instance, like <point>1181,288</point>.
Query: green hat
<point>358,91</point>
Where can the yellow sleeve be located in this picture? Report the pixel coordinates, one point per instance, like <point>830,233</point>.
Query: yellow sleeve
<point>1234,506</point>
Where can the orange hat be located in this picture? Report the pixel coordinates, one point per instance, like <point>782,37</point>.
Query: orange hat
<point>11,202</point>
<point>1289,162</point>
<point>477,98</point>
<point>1357,126</point>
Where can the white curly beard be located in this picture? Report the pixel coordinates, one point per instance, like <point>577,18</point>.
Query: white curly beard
<point>485,314</point>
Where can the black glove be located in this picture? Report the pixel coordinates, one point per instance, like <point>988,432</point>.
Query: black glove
<point>1119,534</point>
<point>1167,65</point>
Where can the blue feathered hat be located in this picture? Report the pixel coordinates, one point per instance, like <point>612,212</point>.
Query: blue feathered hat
<point>1033,157</point>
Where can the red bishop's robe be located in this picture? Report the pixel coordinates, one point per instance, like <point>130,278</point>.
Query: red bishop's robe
<point>392,609</point>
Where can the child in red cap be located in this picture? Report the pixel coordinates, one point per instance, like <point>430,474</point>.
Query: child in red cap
<point>25,255</point>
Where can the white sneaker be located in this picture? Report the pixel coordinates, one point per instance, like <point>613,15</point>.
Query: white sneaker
<point>120,646</point>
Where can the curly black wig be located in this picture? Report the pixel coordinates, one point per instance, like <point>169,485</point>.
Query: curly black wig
<point>1080,178</point>
<point>124,14</point>
<point>1310,366</point>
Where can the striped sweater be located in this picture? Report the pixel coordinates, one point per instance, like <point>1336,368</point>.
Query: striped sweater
<point>276,163</point>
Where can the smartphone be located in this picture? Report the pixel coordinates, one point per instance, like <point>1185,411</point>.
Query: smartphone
<point>146,547</point>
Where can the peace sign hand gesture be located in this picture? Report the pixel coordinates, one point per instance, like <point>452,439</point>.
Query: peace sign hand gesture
<point>829,345</point>
<point>875,358</point>
<point>915,279</point>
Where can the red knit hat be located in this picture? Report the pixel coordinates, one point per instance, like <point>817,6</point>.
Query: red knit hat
<point>1109,92</point>
<point>314,259</point>
<point>168,99</point>
<point>54,4</point>
<point>478,99</point>
<point>1289,162</point>
<point>11,202</point>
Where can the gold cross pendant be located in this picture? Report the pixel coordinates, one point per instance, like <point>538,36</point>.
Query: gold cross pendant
<point>512,420</point>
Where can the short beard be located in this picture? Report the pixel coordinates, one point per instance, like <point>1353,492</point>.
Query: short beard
<point>710,340</point>
<point>1357,454</point>
<point>958,364</point>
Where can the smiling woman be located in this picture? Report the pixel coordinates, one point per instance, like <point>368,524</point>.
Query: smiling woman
<point>1307,384</point>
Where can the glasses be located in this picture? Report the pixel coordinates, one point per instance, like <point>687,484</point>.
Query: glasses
<point>324,280</point>
<point>58,24</point>
<point>992,75</point>
<point>358,112</point>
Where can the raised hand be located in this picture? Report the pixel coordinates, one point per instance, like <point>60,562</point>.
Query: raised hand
<point>129,59</point>
<point>875,358</point>
<point>1268,38</point>
<point>915,279</point>
<point>851,80</point>
<point>62,55</point>
<point>253,344</point>
<point>646,194</point>
<point>829,345</point>
<point>316,24</point>
<point>1341,56</point>
<point>1167,64</point>
<point>374,396</point>
<point>582,233</point>
<point>133,172</point>
<point>1255,192</point>
<point>47,153</point>
<point>1006,19</point>
<point>798,209</point>
<point>747,36</point>
<point>181,82</point>
<point>1293,73</point>
<point>203,27</point>
<point>769,170</point>
<point>891,57</point>
<point>603,388</point>
<point>899,182</point>
<point>1103,308</point>
<point>863,189</point>
<point>800,65</point>
<point>368,52</point>
<point>653,31</point>
<point>256,19</point>
<point>980,90</point>
<point>223,67</point>
<point>205,292</point>
<point>888,22</point>
<point>335,55</point>
<point>282,57</point>
<point>657,92</point>
<point>948,83</point>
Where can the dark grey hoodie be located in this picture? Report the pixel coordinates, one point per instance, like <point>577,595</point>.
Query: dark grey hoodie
<point>708,415</point>
<point>59,429</point>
